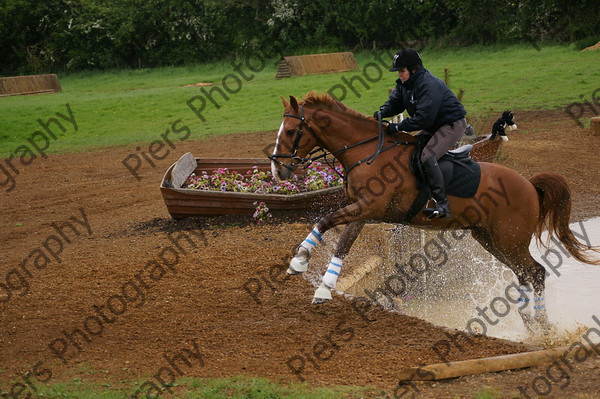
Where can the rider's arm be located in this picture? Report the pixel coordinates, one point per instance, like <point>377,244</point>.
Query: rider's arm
<point>394,105</point>
<point>427,107</point>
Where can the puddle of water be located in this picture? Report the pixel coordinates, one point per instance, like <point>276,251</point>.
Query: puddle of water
<point>572,296</point>
<point>573,287</point>
<point>464,288</point>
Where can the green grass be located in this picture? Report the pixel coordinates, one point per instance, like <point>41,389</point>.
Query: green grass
<point>207,388</point>
<point>488,393</point>
<point>240,387</point>
<point>117,108</point>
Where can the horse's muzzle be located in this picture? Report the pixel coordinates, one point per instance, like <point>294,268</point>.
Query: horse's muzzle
<point>282,171</point>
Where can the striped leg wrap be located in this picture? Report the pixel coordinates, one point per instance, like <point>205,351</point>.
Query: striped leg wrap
<point>311,241</point>
<point>525,297</point>
<point>539,303</point>
<point>333,271</point>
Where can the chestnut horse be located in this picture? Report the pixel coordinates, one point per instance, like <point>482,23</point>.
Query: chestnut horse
<point>503,216</point>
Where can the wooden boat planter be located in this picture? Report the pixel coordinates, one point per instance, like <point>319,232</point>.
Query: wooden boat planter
<point>183,202</point>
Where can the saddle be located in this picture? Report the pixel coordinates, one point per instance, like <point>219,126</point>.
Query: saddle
<point>461,176</point>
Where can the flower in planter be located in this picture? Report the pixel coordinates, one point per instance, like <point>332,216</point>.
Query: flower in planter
<point>317,177</point>
<point>261,214</point>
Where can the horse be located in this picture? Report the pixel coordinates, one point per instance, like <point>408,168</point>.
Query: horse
<point>503,215</point>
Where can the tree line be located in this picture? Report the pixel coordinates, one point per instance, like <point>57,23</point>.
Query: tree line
<point>59,35</point>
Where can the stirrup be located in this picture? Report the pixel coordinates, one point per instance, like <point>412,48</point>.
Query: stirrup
<point>436,211</point>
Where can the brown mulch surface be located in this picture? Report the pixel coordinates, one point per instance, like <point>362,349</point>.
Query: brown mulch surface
<point>169,294</point>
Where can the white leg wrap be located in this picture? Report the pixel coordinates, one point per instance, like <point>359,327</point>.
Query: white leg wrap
<point>333,271</point>
<point>526,299</point>
<point>539,307</point>
<point>311,241</point>
<point>299,263</point>
<point>526,303</point>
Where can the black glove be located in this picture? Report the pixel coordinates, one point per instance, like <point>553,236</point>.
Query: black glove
<point>383,111</point>
<point>376,114</point>
<point>392,128</point>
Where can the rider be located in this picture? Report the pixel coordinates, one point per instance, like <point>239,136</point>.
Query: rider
<point>434,110</point>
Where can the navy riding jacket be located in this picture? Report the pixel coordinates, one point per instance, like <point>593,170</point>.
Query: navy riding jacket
<point>429,102</point>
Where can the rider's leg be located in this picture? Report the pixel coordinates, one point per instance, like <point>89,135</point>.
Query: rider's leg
<point>441,141</point>
<point>435,181</point>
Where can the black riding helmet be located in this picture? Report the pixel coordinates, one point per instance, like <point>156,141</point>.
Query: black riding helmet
<point>406,58</point>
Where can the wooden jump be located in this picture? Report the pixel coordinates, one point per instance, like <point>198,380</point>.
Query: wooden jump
<point>30,84</point>
<point>316,63</point>
<point>595,125</point>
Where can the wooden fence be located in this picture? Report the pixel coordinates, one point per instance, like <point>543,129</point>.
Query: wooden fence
<point>316,63</point>
<point>31,84</point>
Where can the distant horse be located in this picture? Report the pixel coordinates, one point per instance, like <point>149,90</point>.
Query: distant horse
<point>503,214</point>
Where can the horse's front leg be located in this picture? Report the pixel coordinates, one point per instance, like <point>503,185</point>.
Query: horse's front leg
<point>348,214</point>
<point>349,235</point>
<point>299,263</point>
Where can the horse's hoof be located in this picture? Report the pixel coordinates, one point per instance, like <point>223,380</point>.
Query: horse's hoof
<point>319,301</point>
<point>322,295</point>
<point>297,266</point>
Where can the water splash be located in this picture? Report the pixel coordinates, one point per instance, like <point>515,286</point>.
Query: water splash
<point>459,290</point>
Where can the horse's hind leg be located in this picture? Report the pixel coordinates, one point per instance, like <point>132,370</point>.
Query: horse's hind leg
<point>530,273</point>
<point>349,235</point>
<point>533,309</point>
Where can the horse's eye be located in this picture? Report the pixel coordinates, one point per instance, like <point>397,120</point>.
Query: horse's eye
<point>290,132</point>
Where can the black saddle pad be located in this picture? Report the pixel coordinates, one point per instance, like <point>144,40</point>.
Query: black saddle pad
<point>461,177</point>
<point>461,174</point>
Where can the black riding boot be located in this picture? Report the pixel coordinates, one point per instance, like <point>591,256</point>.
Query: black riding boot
<point>435,180</point>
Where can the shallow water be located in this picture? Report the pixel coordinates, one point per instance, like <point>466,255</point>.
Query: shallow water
<point>463,291</point>
<point>572,295</point>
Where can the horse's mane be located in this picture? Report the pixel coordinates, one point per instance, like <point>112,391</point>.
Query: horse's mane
<point>324,101</point>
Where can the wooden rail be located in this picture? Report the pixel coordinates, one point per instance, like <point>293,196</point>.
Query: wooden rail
<point>30,84</point>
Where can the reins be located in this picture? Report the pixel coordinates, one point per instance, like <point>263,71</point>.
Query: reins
<point>310,158</point>
<point>380,140</point>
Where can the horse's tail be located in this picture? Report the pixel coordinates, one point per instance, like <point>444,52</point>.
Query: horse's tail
<point>554,196</point>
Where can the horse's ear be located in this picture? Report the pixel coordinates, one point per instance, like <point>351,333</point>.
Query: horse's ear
<point>294,103</point>
<point>285,102</point>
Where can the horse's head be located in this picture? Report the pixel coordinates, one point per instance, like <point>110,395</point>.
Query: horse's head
<point>295,139</point>
<point>505,122</point>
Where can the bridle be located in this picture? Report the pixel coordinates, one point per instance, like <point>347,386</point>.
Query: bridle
<point>296,144</point>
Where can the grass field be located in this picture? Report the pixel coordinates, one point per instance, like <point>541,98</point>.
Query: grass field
<point>117,108</point>
<point>206,388</point>
<point>219,388</point>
